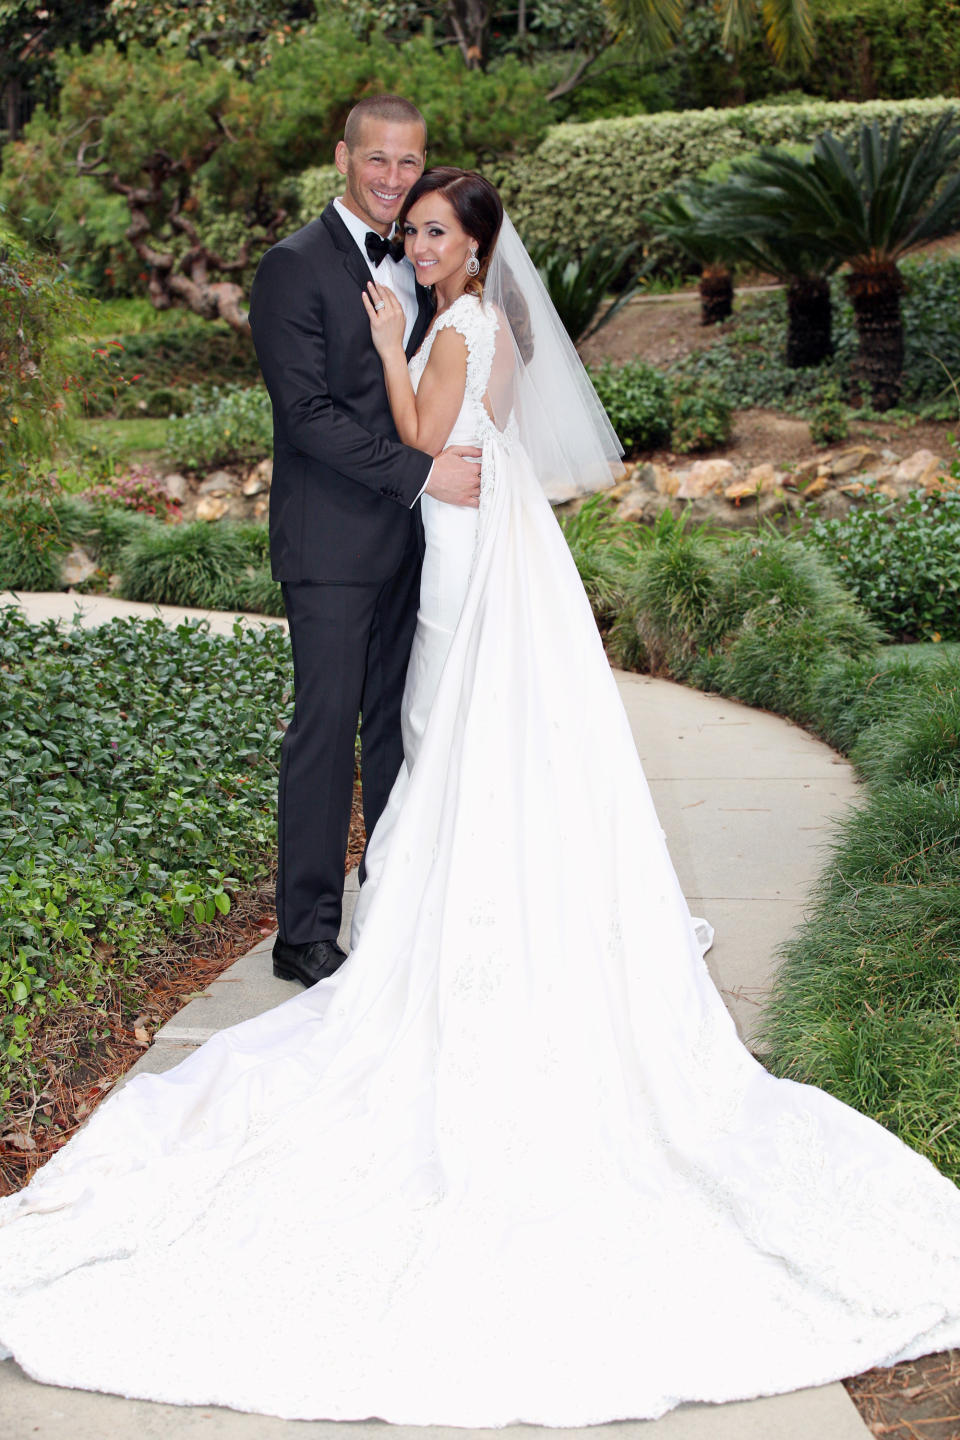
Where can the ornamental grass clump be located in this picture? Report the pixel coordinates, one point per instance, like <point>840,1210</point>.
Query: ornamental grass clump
<point>195,564</point>
<point>920,741</point>
<point>865,1003</point>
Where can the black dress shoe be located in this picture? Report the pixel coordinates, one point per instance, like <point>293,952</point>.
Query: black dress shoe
<point>306,963</point>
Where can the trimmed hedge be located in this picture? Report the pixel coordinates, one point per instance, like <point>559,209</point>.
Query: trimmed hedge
<point>587,181</point>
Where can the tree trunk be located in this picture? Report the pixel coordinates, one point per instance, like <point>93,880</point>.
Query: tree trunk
<point>12,98</point>
<point>470,22</point>
<point>716,296</point>
<point>876,306</point>
<point>809,321</point>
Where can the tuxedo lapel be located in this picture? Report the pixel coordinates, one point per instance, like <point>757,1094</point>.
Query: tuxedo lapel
<point>353,260</point>
<point>425,307</point>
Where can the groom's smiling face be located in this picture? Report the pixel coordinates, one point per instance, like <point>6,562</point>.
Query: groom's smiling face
<point>380,168</point>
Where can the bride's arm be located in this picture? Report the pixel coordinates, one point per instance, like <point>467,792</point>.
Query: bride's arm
<point>425,418</point>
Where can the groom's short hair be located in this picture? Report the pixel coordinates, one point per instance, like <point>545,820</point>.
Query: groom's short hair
<point>392,108</point>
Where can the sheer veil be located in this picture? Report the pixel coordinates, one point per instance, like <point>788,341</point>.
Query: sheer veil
<point>539,383</point>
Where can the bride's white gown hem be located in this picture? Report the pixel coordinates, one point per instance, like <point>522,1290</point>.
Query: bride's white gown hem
<point>513,1164</point>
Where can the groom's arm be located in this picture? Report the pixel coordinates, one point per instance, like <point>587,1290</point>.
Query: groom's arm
<point>286,318</point>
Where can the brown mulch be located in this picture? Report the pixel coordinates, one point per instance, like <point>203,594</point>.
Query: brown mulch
<point>918,1400</point>
<point>79,1065</point>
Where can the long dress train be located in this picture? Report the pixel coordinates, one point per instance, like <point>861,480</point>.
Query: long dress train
<point>512,1163</point>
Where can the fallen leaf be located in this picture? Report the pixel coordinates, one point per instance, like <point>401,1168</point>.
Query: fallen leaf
<point>141,1036</point>
<point>19,1140</point>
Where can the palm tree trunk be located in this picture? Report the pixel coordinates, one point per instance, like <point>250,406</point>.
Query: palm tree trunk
<point>876,307</point>
<point>809,321</point>
<point>716,295</point>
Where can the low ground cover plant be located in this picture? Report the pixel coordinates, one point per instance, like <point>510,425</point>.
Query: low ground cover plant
<point>137,795</point>
<point>222,424</point>
<point>749,358</point>
<point>900,559</point>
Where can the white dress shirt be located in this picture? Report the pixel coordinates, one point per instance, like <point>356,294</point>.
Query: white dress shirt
<point>397,275</point>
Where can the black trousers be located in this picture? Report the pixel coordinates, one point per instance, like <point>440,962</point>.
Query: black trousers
<point>351,644</point>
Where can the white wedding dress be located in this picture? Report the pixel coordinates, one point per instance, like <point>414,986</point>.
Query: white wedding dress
<point>512,1163</point>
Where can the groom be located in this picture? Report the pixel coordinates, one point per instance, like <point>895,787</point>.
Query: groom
<point>346,538</point>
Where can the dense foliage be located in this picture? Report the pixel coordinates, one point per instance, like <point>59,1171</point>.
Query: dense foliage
<point>39,310</point>
<point>583,172</point>
<point>870,48</point>
<point>221,424</point>
<point>900,560</point>
<point>200,158</point>
<point>749,361</point>
<point>137,792</point>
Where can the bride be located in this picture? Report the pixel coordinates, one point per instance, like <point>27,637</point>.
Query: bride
<point>511,1163</point>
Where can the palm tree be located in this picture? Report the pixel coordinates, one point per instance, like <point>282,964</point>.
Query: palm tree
<point>787,25</point>
<point>804,266</point>
<point>685,217</point>
<point>867,203</point>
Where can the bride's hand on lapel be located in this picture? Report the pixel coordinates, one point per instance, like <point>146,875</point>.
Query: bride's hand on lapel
<point>387,320</point>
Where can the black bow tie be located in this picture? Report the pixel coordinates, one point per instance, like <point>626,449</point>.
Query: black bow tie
<point>378,248</point>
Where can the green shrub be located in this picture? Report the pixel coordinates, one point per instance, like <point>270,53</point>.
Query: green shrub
<point>32,544</point>
<point>258,592</point>
<point>39,310</point>
<point>900,559</point>
<point>584,172</point>
<point>578,285</point>
<point>702,416</point>
<point>829,424</point>
<point>223,424</point>
<point>636,397</point>
<point>870,48</point>
<point>193,564</point>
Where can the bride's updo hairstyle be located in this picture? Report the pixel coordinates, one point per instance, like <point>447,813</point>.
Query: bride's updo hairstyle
<point>475,203</point>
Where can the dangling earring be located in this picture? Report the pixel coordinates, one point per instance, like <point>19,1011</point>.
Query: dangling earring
<point>472,266</point>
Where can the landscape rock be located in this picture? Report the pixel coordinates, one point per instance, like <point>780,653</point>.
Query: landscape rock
<point>704,477</point>
<point>218,482</point>
<point>78,565</point>
<point>259,478</point>
<point>211,507</point>
<point>816,487</point>
<point>176,487</point>
<point>853,460</point>
<point>764,478</point>
<point>806,473</point>
<point>658,477</point>
<point>919,469</point>
<point>740,490</point>
<point>633,504</point>
<point>261,507</point>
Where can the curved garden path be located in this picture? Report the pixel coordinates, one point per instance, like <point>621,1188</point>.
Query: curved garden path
<point>747,800</point>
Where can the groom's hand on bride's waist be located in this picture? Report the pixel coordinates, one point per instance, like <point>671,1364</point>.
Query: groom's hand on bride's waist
<point>455,477</point>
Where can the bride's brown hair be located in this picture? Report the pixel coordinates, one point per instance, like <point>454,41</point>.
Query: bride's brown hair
<point>475,203</point>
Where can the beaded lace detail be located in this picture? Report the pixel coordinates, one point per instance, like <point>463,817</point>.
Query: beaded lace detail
<point>478,325</point>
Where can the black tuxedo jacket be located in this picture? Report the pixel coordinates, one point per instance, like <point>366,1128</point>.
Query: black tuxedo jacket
<point>343,484</point>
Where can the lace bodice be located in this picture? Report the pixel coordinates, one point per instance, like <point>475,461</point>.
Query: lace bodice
<point>478,325</point>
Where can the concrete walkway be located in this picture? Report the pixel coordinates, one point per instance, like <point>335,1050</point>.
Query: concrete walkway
<point>747,801</point>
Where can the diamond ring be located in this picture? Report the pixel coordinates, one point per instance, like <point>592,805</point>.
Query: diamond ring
<point>380,305</point>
